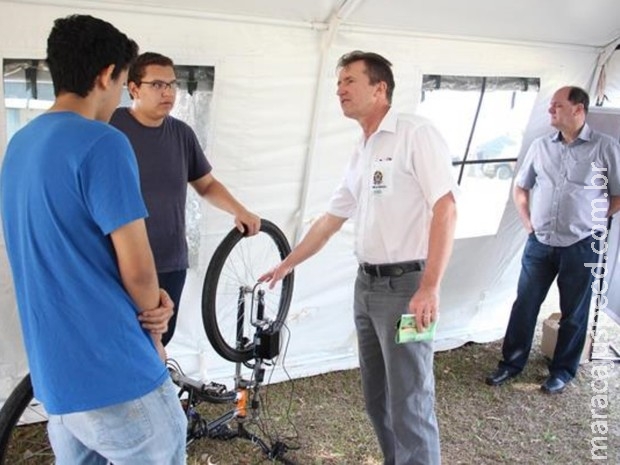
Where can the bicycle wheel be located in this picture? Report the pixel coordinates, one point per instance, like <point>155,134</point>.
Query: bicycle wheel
<point>230,283</point>
<point>21,443</point>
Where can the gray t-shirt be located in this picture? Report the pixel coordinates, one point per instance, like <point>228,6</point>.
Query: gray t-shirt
<point>169,156</point>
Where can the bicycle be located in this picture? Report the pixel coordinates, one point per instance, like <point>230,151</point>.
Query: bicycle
<point>242,322</point>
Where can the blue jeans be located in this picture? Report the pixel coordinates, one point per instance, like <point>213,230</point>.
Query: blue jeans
<point>172,282</point>
<point>150,430</point>
<point>397,379</point>
<point>539,267</point>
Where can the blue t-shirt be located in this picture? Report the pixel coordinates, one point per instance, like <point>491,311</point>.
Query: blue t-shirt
<point>169,156</point>
<point>67,182</point>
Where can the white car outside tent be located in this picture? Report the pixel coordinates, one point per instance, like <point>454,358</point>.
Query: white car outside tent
<point>274,131</point>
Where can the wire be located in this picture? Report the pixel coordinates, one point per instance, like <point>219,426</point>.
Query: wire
<point>172,363</point>
<point>259,416</point>
<point>275,436</point>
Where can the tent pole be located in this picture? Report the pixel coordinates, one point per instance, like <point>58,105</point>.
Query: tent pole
<point>345,9</point>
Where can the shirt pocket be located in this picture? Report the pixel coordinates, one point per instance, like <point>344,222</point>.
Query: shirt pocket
<point>580,171</point>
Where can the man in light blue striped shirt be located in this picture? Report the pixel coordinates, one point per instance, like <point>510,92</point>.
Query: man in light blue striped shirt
<point>567,187</point>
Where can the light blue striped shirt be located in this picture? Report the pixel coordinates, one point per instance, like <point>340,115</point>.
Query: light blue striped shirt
<point>570,185</point>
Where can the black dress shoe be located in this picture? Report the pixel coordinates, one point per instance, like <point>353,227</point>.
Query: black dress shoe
<point>500,376</point>
<point>553,385</point>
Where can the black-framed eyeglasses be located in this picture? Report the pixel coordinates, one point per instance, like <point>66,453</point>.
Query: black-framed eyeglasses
<point>161,85</point>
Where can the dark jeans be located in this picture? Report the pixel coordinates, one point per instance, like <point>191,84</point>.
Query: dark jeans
<point>172,282</point>
<point>539,267</point>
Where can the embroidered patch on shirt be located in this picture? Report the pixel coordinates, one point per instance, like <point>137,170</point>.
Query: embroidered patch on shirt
<point>381,176</point>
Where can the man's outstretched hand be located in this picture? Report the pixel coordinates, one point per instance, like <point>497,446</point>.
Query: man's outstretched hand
<point>275,274</point>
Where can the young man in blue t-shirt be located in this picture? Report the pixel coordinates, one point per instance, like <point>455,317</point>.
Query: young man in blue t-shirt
<point>89,302</point>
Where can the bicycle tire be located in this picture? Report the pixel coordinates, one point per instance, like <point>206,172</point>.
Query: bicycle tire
<point>12,411</point>
<point>237,263</point>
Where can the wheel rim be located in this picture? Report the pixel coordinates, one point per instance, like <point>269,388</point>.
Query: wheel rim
<point>233,273</point>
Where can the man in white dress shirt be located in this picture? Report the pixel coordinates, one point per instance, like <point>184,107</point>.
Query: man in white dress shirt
<point>399,189</point>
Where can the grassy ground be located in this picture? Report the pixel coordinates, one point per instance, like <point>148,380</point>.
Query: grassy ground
<point>322,418</point>
<point>512,424</point>
<point>479,425</point>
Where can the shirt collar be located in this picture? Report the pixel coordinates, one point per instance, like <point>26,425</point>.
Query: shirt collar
<point>585,134</point>
<point>389,122</point>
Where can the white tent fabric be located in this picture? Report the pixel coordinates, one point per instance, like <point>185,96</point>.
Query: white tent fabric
<point>278,139</point>
<point>610,87</point>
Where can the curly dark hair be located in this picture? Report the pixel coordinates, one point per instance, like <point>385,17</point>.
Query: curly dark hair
<point>79,47</point>
<point>378,68</point>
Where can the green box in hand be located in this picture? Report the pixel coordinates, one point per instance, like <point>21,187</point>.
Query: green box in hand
<point>406,330</point>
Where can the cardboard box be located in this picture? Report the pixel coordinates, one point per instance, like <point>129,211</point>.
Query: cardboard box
<point>550,338</point>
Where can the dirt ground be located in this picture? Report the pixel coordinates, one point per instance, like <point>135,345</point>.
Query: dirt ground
<point>322,421</point>
<point>324,418</point>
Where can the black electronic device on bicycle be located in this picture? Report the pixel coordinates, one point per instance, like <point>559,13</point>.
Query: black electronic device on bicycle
<point>250,339</point>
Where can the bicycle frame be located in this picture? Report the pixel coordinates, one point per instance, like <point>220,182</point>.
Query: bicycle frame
<point>245,395</point>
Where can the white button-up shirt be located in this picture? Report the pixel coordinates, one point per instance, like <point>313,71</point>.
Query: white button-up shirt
<point>390,187</point>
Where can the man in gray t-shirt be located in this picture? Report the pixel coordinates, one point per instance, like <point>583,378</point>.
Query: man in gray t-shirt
<point>169,158</point>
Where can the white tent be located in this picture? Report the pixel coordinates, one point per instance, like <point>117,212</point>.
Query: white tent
<point>278,140</point>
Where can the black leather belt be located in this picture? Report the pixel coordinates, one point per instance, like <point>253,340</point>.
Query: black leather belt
<point>392,269</point>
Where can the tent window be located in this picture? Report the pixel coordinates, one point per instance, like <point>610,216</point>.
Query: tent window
<point>28,90</point>
<point>483,119</point>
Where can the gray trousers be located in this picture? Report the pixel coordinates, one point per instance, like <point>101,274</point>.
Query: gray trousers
<point>397,379</point>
